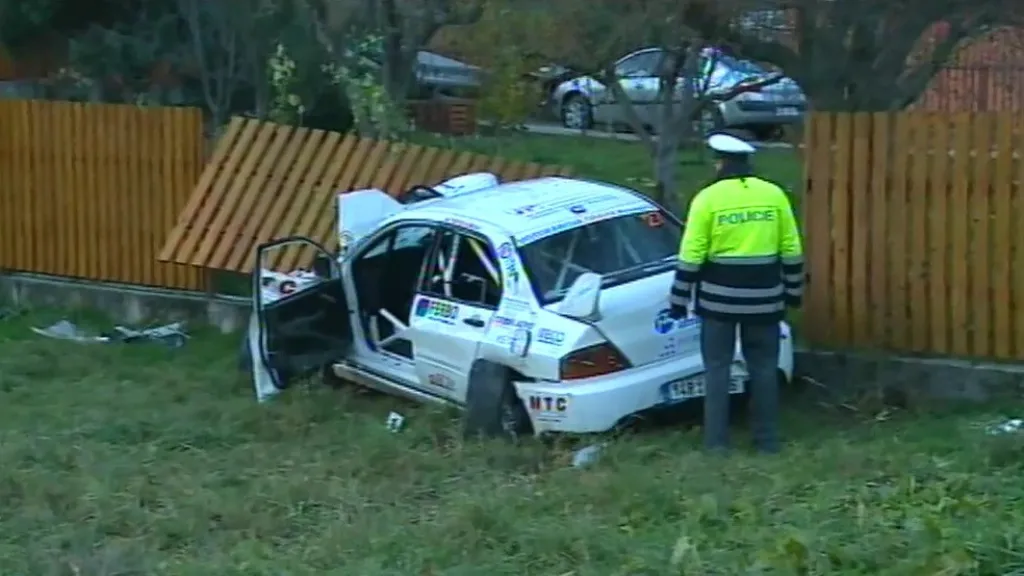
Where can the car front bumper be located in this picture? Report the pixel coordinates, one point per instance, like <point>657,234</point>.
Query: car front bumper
<point>599,404</point>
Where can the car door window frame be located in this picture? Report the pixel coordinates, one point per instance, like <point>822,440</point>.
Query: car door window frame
<point>391,231</point>
<point>486,244</point>
<point>389,236</point>
<point>638,61</point>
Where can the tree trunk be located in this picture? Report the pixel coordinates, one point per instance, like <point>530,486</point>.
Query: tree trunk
<point>666,189</point>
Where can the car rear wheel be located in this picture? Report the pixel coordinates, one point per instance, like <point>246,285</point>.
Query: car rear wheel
<point>768,133</point>
<point>329,378</point>
<point>492,407</point>
<point>577,113</point>
<point>709,120</point>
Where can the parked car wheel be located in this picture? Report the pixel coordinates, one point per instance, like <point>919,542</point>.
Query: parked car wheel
<point>709,120</point>
<point>577,113</point>
<point>767,133</point>
<point>492,407</point>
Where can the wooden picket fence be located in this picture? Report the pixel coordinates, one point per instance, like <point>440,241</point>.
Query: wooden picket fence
<point>91,191</point>
<point>914,233</point>
<point>268,181</point>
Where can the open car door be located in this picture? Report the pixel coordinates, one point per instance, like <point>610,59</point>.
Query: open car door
<point>360,212</point>
<point>298,326</point>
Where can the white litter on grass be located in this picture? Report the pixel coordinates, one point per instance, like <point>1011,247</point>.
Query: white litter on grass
<point>395,421</point>
<point>65,330</point>
<point>172,335</point>
<point>587,455</point>
<point>1007,427</point>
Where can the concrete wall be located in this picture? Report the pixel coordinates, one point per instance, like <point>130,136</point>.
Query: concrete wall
<point>129,305</point>
<point>847,374</point>
<point>840,373</point>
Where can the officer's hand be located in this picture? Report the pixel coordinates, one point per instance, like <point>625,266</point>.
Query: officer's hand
<point>679,312</point>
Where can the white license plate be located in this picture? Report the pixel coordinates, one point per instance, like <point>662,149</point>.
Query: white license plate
<point>693,387</point>
<point>787,111</point>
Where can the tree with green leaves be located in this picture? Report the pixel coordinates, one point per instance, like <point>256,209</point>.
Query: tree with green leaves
<point>373,46</point>
<point>24,21</point>
<point>863,55</point>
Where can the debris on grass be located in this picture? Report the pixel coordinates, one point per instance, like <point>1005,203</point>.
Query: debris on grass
<point>395,421</point>
<point>587,455</point>
<point>171,335</point>
<point>66,330</point>
<point>1006,427</point>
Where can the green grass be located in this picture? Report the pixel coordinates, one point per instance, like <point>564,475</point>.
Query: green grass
<point>621,162</point>
<point>142,460</point>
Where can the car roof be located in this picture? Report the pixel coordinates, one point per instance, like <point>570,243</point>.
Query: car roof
<point>531,209</point>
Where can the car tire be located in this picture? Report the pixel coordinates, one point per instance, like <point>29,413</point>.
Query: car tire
<point>329,378</point>
<point>493,409</point>
<point>708,120</point>
<point>577,112</point>
<point>768,133</point>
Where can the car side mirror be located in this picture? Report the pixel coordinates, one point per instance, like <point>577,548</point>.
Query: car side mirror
<point>583,299</point>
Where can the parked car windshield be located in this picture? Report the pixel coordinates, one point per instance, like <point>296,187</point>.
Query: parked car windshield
<point>620,249</point>
<point>742,66</point>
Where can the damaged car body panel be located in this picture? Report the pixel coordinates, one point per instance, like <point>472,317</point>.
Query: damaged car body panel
<point>536,306</point>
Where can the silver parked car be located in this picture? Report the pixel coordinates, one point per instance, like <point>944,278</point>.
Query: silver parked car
<point>584,101</point>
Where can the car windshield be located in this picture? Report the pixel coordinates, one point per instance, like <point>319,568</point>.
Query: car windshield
<point>742,66</point>
<point>620,249</point>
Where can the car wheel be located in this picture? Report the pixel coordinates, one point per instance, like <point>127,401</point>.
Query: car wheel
<point>492,407</point>
<point>329,378</point>
<point>577,113</point>
<point>709,120</point>
<point>767,133</point>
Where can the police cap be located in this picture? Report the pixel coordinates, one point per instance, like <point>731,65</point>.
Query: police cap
<point>729,144</point>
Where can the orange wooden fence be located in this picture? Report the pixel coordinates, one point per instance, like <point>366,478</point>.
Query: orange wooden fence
<point>915,233</point>
<point>268,181</point>
<point>92,190</point>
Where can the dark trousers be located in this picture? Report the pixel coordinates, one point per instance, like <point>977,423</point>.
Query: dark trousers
<point>760,345</point>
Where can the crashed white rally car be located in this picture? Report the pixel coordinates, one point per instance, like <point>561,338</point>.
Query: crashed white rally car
<point>537,306</point>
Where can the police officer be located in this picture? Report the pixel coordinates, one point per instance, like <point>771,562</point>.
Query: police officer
<point>741,263</point>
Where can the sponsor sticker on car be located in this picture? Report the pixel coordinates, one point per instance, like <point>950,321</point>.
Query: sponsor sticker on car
<point>506,321</point>
<point>437,310</point>
<point>506,254</point>
<point>664,323</point>
<point>548,407</point>
<point>551,337</point>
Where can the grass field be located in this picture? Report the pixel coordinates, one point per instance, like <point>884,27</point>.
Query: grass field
<point>142,460</point>
<point>622,162</point>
